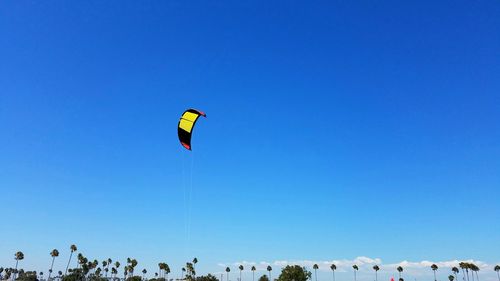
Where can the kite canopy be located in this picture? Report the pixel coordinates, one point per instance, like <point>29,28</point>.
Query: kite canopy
<point>186,125</point>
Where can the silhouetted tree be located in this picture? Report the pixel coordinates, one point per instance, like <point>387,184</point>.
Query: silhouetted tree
<point>294,273</point>
<point>376,268</point>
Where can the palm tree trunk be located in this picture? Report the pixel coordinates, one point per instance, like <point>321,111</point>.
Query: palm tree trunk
<point>334,275</point>
<point>253,276</point>
<point>434,275</point>
<point>51,266</point>
<point>15,271</point>
<point>477,276</point>
<point>354,275</point>
<point>315,275</point>
<point>376,277</point>
<point>67,266</point>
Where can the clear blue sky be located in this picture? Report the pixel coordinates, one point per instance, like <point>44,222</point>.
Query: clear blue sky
<point>335,129</point>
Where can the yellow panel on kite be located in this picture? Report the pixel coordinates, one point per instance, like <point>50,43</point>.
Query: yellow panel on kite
<point>186,125</point>
<point>190,116</point>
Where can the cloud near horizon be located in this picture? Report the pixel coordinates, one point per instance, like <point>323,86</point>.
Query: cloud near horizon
<point>364,263</point>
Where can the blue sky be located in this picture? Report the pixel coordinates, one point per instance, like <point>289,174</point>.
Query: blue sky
<point>335,129</point>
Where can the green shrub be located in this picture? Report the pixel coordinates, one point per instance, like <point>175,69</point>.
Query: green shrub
<point>134,278</point>
<point>294,273</point>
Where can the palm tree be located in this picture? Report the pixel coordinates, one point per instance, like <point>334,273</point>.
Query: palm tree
<point>132,264</point>
<point>117,265</point>
<point>475,269</point>
<point>471,267</point>
<point>269,268</point>
<point>455,272</point>
<point>18,256</point>
<point>451,277</point>
<point>400,270</point>
<point>106,265</point>
<point>376,268</point>
<point>73,249</point>
<point>253,273</point>
<point>166,269</point>
<point>6,276</point>
<point>94,265</point>
<point>241,269</point>
<point>195,261</point>
<point>81,260</point>
<point>53,254</point>
<point>144,271</point>
<point>160,267</point>
<point>434,267</point>
<point>356,268</point>
<point>497,269</point>
<point>465,269</point>
<point>333,267</point>
<point>190,271</point>
<point>315,267</point>
<point>8,272</point>
<point>227,273</point>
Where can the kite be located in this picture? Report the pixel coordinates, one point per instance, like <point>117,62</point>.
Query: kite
<point>186,125</point>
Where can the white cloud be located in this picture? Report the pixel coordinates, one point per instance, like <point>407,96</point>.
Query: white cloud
<point>412,269</point>
<point>342,265</point>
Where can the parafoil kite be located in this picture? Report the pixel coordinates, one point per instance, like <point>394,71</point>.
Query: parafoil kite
<point>186,125</point>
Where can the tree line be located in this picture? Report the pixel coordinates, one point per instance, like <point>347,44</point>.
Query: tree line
<point>107,270</point>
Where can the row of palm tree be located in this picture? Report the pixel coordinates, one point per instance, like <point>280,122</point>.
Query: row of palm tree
<point>92,267</point>
<point>465,266</point>
<point>84,266</point>
<point>253,269</point>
